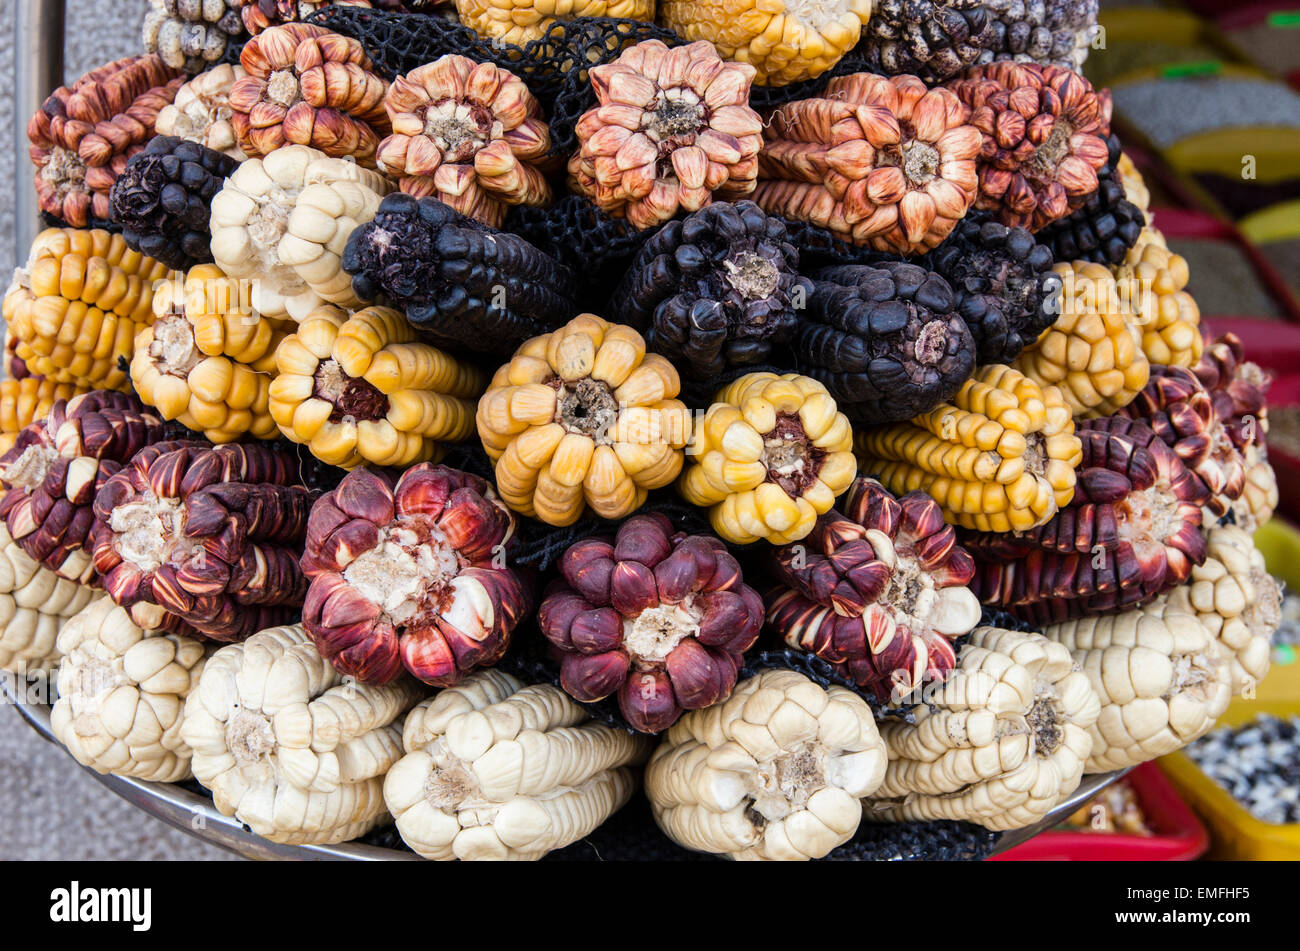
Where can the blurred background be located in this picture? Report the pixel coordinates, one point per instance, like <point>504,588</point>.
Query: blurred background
<point>1206,103</point>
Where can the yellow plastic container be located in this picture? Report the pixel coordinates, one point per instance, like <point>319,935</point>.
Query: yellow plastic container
<point>1234,832</point>
<point>1279,222</point>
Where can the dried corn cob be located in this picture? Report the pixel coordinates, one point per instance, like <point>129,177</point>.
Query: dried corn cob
<point>785,41</point>
<point>201,111</point>
<point>204,541</point>
<point>879,161</point>
<point>672,130</point>
<point>1000,457</point>
<point>34,605</point>
<point>362,388</point>
<point>771,454</point>
<point>122,694</point>
<point>1132,530</point>
<point>520,23</point>
<point>27,401</point>
<point>1176,404</point>
<point>307,86</point>
<point>1093,352</point>
<point>286,746</point>
<point>460,281</point>
<point>497,770</point>
<point>1153,279</point>
<point>1259,496</point>
<point>1161,677</point>
<point>57,465</point>
<point>881,594</point>
<point>1045,131</point>
<point>580,417</point>
<point>776,772</point>
<point>282,222</point>
<point>660,618</point>
<point>209,358</point>
<point>412,576</point>
<point>470,134</point>
<point>77,306</point>
<point>1237,600</point>
<point>886,341</point>
<point>999,744</point>
<point>83,134</point>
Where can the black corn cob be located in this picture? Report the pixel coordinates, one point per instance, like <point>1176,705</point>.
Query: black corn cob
<point>1006,290</point>
<point>715,290</point>
<point>886,340</point>
<point>932,39</point>
<point>469,286</point>
<point>163,200</point>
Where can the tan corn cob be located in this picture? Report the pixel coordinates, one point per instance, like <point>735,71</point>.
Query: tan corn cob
<point>785,41</point>
<point>122,693</point>
<point>75,309</point>
<point>1162,678</point>
<point>362,389</point>
<point>775,772</point>
<point>999,743</point>
<point>771,454</point>
<point>498,770</point>
<point>1093,351</point>
<point>1154,280</point>
<point>580,417</point>
<point>1000,457</point>
<point>35,603</point>
<point>1259,498</point>
<point>209,358</point>
<point>1233,595</point>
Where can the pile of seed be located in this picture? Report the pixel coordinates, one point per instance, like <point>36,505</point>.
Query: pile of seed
<point>1158,107</point>
<point>1285,256</point>
<point>1224,282</point>
<point>1259,764</point>
<point>1119,59</point>
<point>1272,47</point>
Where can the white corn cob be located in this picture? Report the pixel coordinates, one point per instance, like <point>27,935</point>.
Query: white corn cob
<point>1162,678</point>
<point>999,743</point>
<point>122,692</point>
<point>497,770</point>
<point>288,747</point>
<point>777,771</point>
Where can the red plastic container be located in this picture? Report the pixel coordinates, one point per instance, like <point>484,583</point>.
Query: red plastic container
<point>1179,835</point>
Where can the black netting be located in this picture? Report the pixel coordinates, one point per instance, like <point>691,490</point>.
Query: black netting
<point>595,246</point>
<point>540,546</point>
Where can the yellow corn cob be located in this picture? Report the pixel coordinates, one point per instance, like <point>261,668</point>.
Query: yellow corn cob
<point>23,402</point>
<point>772,453</point>
<point>786,41</point>
<point>208,359</point>
<point>580,417</point>
<point>75,309</point>
<point>1135,188</point>
<point>361,388</point>
<point>1154,280</point>
<point>1093,352</point>
<point>1000,457</point>
<point>519,23</point>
